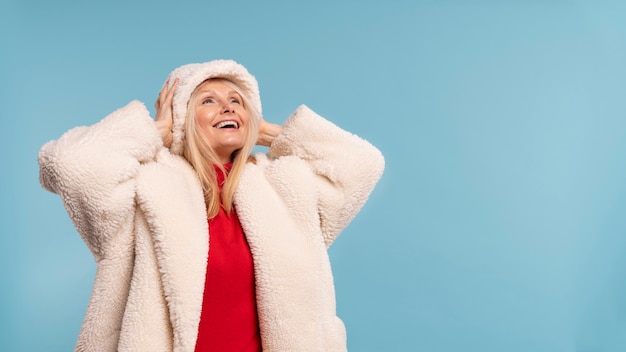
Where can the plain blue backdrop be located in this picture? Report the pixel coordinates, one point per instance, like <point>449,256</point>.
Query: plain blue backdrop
<point>499,224</point>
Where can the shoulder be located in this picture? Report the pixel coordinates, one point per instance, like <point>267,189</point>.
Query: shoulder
<point>168,171</point>
<point>282,166</point>
<point>284,173</point>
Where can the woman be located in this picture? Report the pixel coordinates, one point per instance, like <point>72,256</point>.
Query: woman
<point>200,246</point>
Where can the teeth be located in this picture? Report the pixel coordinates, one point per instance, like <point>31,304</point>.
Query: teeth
<point>227,124</point>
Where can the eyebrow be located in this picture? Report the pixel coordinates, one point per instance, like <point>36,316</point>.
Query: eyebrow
<point>213,91</point>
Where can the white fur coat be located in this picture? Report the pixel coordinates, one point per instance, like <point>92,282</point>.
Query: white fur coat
<point>141,212</point>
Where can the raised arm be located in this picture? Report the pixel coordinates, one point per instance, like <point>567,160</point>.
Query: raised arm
<point>347,166</point>
<point>93,169</point>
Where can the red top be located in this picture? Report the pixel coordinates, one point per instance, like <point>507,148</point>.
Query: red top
<point>229,319</point>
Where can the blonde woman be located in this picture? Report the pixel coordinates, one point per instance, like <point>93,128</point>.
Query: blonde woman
<point>199,245</point>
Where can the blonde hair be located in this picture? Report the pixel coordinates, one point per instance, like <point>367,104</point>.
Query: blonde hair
<point>197,150</point>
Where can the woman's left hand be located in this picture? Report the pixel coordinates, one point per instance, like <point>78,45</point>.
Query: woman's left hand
<point>267,132</point>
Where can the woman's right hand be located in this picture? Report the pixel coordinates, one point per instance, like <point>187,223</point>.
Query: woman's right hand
<point>164,117</point>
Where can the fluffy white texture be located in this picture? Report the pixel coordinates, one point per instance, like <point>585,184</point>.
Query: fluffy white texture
<point>191,75</point>
<point>140,210</point>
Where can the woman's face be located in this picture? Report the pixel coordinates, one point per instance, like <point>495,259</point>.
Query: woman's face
<point>220,114</point>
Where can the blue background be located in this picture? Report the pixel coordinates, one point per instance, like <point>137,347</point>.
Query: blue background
<point>499,222</point>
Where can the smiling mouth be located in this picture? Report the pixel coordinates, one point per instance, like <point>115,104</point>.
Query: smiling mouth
<point>227,124</point>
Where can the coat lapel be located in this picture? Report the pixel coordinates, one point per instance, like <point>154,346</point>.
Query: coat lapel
<point>285,267</point>
<point>170,195</point>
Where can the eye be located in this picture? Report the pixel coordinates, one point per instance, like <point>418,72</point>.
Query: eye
<point>208,100</point>
<point>235,101</point>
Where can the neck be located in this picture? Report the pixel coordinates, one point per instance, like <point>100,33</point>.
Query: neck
<point>226,157</point>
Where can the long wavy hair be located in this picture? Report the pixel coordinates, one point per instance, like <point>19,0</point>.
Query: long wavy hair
<point>197,150</point>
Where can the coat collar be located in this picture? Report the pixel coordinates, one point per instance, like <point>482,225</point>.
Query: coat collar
<point>170,196</point>
<point>286,266</point>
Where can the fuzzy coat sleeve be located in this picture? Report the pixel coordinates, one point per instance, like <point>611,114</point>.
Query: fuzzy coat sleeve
<point>347,167</point>
<point>93,169</point>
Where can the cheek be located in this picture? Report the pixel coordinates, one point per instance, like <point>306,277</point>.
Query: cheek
<point>199,120</point>
<point>245,117</point>
<point>203,117</point>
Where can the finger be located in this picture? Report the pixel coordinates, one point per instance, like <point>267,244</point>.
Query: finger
<point>164,90</point>
<point>162,94</point>
<point>170,93</point>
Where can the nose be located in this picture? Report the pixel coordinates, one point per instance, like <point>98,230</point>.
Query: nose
<point>227,107</point>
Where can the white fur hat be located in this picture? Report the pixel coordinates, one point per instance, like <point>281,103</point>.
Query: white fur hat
<point>191,75</point>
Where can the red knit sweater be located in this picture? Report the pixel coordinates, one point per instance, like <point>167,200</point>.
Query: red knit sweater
<point>228,321</point>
